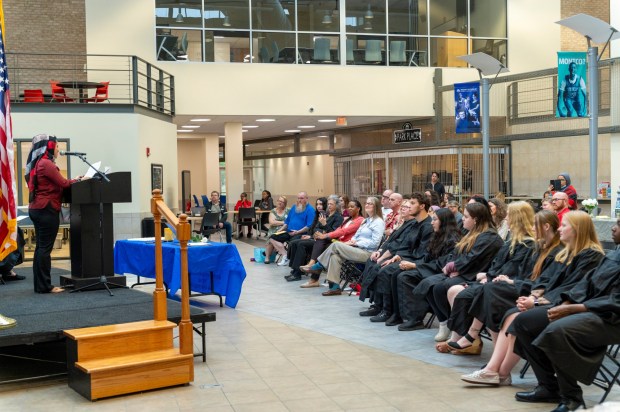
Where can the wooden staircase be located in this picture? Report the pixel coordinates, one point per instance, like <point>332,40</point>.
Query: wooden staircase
<point>112,360</point>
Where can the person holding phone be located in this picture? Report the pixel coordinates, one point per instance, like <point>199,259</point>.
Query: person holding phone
<point>563,184</point>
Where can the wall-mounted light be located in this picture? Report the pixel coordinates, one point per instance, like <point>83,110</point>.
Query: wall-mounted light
<point>369,14</point>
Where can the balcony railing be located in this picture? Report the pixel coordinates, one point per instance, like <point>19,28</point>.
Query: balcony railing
<point>132,80</point>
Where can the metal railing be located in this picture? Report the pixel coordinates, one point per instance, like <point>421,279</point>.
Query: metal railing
<point>132,80</point>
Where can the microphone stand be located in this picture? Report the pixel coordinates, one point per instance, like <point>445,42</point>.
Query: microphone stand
<point>103,280</point>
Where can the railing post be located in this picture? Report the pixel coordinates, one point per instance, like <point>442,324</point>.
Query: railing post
<point>172,109</point>
<point>159,295</point>
<point>160,93</point>
<point>185,326</point>
<point>134,78</point>
<point>149,95</point>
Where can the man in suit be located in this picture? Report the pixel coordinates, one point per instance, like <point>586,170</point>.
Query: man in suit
<point>214,206</point>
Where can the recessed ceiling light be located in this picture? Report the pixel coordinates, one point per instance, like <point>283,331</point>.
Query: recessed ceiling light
<point>184,131</point>
<point>292,131</point>
<point>327,120</point>
<point>265,120</point>
<point>190,127</point>
<point>250,126</point>
<point>281,145</point>
<point>322,135</point>
<point>243,130</point>
<point>200,120</point>
<point>306,127</point>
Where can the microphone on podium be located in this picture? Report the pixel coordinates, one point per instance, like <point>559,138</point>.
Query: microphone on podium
<point>65,153</point>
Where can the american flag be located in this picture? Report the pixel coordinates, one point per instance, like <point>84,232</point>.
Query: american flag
<point>8,211</point>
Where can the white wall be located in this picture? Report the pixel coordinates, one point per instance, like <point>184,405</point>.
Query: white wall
<point>119,141</point>
<point>313,174</point>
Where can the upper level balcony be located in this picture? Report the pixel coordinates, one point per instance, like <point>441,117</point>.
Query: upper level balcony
<point>42,82</point>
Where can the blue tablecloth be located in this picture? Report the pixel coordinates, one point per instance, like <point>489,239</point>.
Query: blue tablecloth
<point>138,258</point>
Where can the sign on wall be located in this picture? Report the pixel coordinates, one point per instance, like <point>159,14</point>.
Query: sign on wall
<point>572,91</point>
<point>408,134</point>
<point>467,107</point>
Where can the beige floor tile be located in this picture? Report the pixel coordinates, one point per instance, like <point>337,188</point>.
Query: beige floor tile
<point>252,397</point>
<point>374,409</point>
<point>243,385</point>
<point>289,393</point>
<point>323,404</point>
<point>367,400</point>
<point>235,374</point>
<point>273,371</point>
<point>298,381</point>
<point>261,407</point>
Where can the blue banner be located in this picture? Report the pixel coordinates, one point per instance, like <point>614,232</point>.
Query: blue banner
<point>467,107</point>
<point>572,91</point>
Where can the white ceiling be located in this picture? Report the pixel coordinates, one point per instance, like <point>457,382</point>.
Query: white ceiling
<point>275,128</point>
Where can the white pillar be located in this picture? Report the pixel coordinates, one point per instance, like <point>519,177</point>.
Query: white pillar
<point>212,163</point>
<point>614,139</point>
<point>233,152</point>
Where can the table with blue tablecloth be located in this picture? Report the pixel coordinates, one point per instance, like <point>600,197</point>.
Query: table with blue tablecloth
<point>137,257</point>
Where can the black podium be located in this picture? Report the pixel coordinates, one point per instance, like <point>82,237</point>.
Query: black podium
<point>88,263</point>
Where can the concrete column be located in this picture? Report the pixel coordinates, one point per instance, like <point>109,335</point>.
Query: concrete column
<point>614,139</point>
<point>234,162</point>
<point>212,163</point>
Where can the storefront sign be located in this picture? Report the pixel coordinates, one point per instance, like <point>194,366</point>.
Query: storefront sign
<point>408,134</point>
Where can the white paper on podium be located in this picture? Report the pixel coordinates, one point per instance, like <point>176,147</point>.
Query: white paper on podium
<point>92,170</point>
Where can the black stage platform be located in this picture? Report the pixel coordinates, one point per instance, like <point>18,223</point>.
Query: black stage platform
<point>41,318</point>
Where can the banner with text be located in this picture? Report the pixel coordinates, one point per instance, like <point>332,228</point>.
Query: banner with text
<point>572,91</point>
<point>467,107</point>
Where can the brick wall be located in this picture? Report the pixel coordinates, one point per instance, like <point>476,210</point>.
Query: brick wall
<point>570,39</point>
<point>44,26</point>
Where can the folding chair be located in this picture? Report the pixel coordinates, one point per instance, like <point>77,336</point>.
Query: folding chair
<point>247,217</point>
<point>351,272</point>
<point>609,372</point>
<point>209,225</point>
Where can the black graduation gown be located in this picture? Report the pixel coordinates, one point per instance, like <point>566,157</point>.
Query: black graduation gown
<point>495,298</point>
<point>599,291</point>
<point>504,263</point>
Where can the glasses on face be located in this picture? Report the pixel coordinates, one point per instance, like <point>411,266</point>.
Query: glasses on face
<point>385,197</point>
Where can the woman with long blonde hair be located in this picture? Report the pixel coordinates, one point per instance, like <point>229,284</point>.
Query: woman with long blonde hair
<point>581,253</point>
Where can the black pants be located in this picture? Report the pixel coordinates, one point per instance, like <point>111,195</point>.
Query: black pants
<point>298,251</point>
<point>46,223</point>
<point>408,304</point>
<point>387,285</point>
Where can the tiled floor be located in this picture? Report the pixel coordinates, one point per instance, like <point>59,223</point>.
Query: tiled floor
<point>291,349</point>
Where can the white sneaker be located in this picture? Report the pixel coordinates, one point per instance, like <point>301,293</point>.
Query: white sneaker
<point>6,322</point>
<point>482,377</point>
<point>443,334</point>
<point>283,262</point>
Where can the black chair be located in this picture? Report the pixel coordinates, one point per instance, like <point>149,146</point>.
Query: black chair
<point>198,211</point>
<point>351,273</point>
<point>247,217</point>
<point>609,372</point>
<point>209,225</point>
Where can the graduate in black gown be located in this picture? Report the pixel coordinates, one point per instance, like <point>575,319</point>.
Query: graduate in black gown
<point>566,341</point>
<point>473,254</point>
<point>507,263</point>
<point>581,253</point>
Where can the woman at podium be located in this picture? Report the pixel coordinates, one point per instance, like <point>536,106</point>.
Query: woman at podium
<point>46,185</point>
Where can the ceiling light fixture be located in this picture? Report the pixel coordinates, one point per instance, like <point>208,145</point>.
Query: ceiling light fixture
<point>327,19</point>
<point>200,120</point>
<point>179,18</point>
<point>369,14</point>
<point>327,120</point>
<point>306,127</point>
<point>250,126</point>
<point>226,22</point>
<point>184,131</point>
<point>292,131</point>
<point>190,127</point>
<point>265,120</point>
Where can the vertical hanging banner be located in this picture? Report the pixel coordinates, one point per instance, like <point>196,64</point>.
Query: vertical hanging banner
<point>467,107</point>
<point>572,92</point>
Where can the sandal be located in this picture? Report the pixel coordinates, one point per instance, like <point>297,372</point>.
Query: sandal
<point>474,349</point>
<point>56,289</point>
<point>468,337</point>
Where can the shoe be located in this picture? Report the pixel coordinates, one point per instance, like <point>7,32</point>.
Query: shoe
<point>381,317</point>
<point>474,349</point>
<point>411,325</point>
<point>569,405</point>
<point>332,292</point>
<point>10,278</point>
<point>284,261</point>
<point>443,333</point>
<point>394,320</point>
<point>310,284</point>
<point>539,394</point>
<point>240,235</point>
<point>371,311</point>
<point>291,278</point>
<point>443,347</point>
<point>482,377</point>
<point>316,269</point>
<point>56,289</point>
<point>267,262</point>
<point>505,381</point>
<point>6,322</point>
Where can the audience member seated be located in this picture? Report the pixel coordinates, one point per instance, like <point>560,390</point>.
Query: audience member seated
<point>455,208</point>
<point>365,241</point>
<point>265,203</point>
<point>473,255</point>
<point>245,203</point>
<point>440,249</point>
<point>560,204</point>
<point>393,219</point>
<point>277,216</point>
<point>343,204</point>
<point>498,212</point>
<point>581,253</point>
<point>344,233</point>
<point>566,187</point>
<point>214,206</point>
<point>506,265</point>
<point>327,219</point>
<point>386,209</point>
<point>447,197</point>
<point>566,343</point>
<point>296,224</point>
<point>547,204</point>
<point>434,199</point>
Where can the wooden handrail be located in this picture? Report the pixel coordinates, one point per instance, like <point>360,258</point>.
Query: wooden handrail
<point>182,227</point>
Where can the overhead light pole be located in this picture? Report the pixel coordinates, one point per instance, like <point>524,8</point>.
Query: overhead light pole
<point>487,66</point>
<point>594,30</point>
